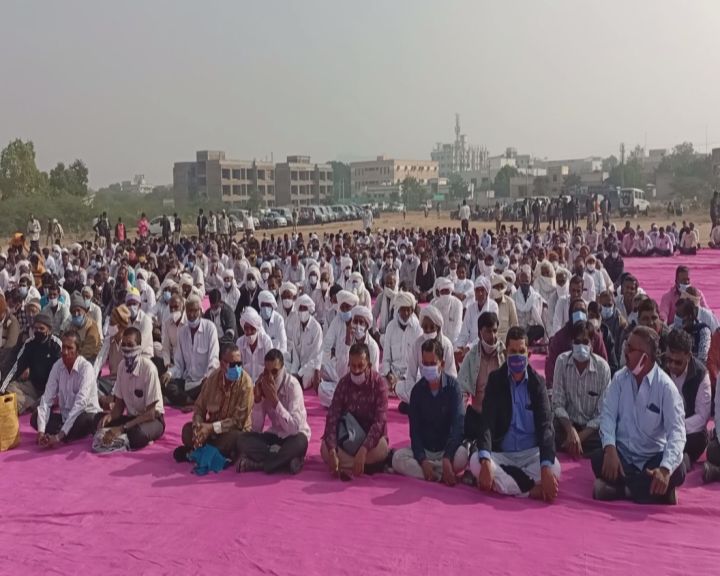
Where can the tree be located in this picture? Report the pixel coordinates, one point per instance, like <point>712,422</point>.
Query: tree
<point>502,181</point>
<point>341,180</point>
<point>572,180</point>
<point>414,194</point>
<point>629,175</point>
<point>609,163</point>
<point>540,185</point>
<point>71,180</point>
<point>255,200</point>
<point>459,190</point>
<point>19,175</point>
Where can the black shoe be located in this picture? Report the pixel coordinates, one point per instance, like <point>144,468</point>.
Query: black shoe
<point>404,408</point>
<point>376,468</point>
<point>296,465</point>
<point>181,454</point>
<point>468,479</point>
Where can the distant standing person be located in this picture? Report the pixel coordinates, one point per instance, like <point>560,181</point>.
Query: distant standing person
<point>49,238</point>
<point>464,215</point>
<point>57,231</point>
<point>249,223</point>
<point>202,223</point>
<point>165,226</point>
<point>367,218</point>
<point>404,212</point>
<point>714,208</point>
<point>177,228</point>
<point>102,228</point>
<point>143,227</point>
<point>120,234</point>
<point>295,219</point>
<point>33,233</point>
<point>426,210</point>
<point>498,217</point>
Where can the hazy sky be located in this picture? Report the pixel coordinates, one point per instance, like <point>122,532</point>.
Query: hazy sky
<point>132,86</point>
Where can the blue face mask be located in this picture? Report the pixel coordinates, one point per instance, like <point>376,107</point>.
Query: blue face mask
<point>606,312</point>
<point>194,323</point>
<point>579,316</point>
<point>683,287</point>
<point>190,265</point>
<point>233,373</point>
<point>678,322</point>
<point>345,316</point>
<point>581,352</point>
<point>167,295</point>
<point>78,320</point>
<point>517,363</point>
<point>430,373</point>
<point>266,312</point>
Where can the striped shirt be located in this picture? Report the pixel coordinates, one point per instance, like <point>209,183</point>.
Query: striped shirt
<point>578,397</point>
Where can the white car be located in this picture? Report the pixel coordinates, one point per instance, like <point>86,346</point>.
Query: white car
<point>633,202</point>
<point>156,226</point>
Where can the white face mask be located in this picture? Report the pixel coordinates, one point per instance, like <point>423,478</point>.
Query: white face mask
<point>228,285</point>
<point>251,284</point>
<point>251,338</point>
<point>287,303</point>
<point>141,284</point>
<point>176,316</point>
<point>357,379</point>
<point>359,331</point>
<point>313,280</point>
<point>430,336</point>
<point>304,316</point>
<point>265,276</point>
<point>324,286</point>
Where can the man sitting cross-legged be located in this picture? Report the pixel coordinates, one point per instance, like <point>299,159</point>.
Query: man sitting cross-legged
<point>436,416</point>
<point>516,445</point>
<point>279,398</point>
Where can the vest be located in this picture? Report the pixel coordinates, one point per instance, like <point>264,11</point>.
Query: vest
<point>697,328</point>
<point>695,375</point>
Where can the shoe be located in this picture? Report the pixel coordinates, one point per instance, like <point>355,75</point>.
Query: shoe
<point>468,479</point>
<point>245,464</point>
<point>296,465</point>
<point>711,473</point>
<point>687,463</point>
<point>672,498</point>
<point>404,408</point>
<point>604,491</point>
<point>181,454</point>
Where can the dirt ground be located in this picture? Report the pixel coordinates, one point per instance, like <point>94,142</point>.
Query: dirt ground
<point>417,219</point>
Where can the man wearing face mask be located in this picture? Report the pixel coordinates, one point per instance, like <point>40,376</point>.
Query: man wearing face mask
<point>141,321</point>
<point>401,334</point>
<point>222,316</point>
<point>87,331</point>
<point>483,303</point>
<point>424,279</point>
<point>137,392</point>
<point>361,401</point>
<point>346,270</point>
<point>560,316</point>
<point>229,291</point>
<point>322,297</point>
<point>338,329</point>
<point>272,322</point>
<point>147,294</point>
<point>516,448</point>
<point>162,307</point>
<point>223,408</point>
<point>530,306</point>
<point>579,383</point>
<point>295,271</point>
<point>265,274</point>
<point>486,356</point>
<point>356,285</point>
<point>94,310</point>
<point>383,310</point>
<point>254,343</point>
<point>408,269</point>
<point>58,311</point>
<point>169,333</point>
<point>449,306</point>
<point>304,344</point>
<point>196,356</point>
<point>668,300</point>
<point>312,281</point>
<point>563,340</point>
<point>278,398</point>
<point>507,313</point>
<point>357,333</point>
<point>71,383</point>
<point>436,424</point>
<point>29,376</point>
<point>288,295</point>
<point>642,428</point>
<point>249,293</point>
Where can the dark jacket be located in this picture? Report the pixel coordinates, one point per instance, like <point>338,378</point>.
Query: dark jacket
<point>227,321</point>
<point>246,299</point>
<point>497,413</point>
<point>39,357</point>
<point>614,267</point>
<point>695,375</point>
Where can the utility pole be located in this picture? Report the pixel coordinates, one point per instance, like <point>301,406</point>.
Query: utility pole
<point>622,165</point>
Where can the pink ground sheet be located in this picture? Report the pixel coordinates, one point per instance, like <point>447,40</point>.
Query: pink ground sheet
<point>72,512</point>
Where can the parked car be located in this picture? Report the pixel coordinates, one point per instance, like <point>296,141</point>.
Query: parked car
<point>340,213</point>
<point>155,227</point>
<point>329,212</point>
<point>311,215</point>
<point>240,214</point>
<point>285,213</point>
<point>236,224</point>
<point>271,219</point>
<point>633,202</point>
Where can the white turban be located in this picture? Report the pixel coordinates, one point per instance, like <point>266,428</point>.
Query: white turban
<point>526,269</point>
<point>306,301</point>
<point>403,300</point>
<point>363,312</point>
<point>255,274</point>
<point>498,279</point>
<point>345,297</point>
<point>288,287</point>
<point>313,268</point>
<point>266,297</point>
<point>228,274</point>
<point>346,262</point>
<point>443,283</point>
<point>186,280</point>
<point>356,277</point>
<point>482,282</point>
<point>509,275</point>
<point>266,266</point>
<point>433,314</point>
<point>250,316</point>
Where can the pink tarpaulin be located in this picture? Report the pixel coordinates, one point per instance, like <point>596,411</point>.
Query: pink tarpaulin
<point>73,512</point>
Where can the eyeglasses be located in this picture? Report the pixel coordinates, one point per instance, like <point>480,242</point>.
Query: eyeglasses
<point>235,364</point>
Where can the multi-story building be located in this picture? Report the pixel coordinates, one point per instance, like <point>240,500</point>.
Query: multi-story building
<point>387,172</point>
<point>138,185</point>
<point>458,156</point>
<point>298,182</point>
<point>213,177</point>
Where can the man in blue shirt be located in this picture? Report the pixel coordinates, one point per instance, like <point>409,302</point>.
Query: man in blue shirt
<point>642,428</point>
<point>436,412</point>
<point>516,444</point>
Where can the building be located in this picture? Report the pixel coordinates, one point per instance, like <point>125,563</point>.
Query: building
<point>298,182</point>
<point>458,156</point>
<point>138,185</point>
<point>556,179</point>
<point>390,173</point>
<point>214,178</point>
<point>575,166</point>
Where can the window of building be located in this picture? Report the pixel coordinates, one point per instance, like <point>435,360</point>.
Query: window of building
<point>236,174</point>
<point>293,175</point>
<point>226,174</point>
<point>261,174</point>
<point>293,190</point>
<point>272,174</point>
<point>271,190</point>
<point>261,189</point>
<point>226,190</point>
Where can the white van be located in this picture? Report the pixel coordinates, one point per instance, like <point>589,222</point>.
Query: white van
<point>633,202</point>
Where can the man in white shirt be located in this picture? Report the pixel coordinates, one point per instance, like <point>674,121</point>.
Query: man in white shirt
<point>529,307</point>
<point>469,332</point>
<point>272,322</point>
<point>137,391</point>
<point>197,355</point>
<point>449,306</point>
<point>663,244</point>
<point>254,343</point>
<point>147,294</point>
<point>278,398</point>
<point>230,292</point>
<point>400,338</point>
<point>295,271</point>
<point>464,216</point>
<point>72,384</point>
<point>304,336</point>
<point>693,382</point>
<point>170,328</point>
<point>141,321</point>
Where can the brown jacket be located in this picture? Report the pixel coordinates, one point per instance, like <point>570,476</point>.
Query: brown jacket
<point>89,340</point>
<point>231,404</point>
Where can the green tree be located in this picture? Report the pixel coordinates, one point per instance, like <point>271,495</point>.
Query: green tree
<point>572,180</point>
<point>541,185</point>
<point>19,175</point>
<point>502,181</point>
<point>459,190</point>
<point>414,194</point>
<point>609,163</point>
<point>341,181</point>
<point>629,175</point>
<point>255,200</point>
<point>71,180</point>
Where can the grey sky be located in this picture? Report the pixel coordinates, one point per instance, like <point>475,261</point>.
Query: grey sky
<point>130,87</point>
